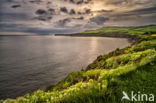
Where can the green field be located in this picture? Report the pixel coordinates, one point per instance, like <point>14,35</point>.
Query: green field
<point>126,30</point>
<point>143,31</point>
<point>129,69</point>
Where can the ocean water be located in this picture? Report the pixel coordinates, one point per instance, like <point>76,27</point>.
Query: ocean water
<point>28,63</point>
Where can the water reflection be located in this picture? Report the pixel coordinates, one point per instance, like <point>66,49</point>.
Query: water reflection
<point>28,63</point>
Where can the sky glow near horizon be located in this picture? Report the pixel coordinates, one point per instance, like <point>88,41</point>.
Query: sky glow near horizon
<point>68,16</point>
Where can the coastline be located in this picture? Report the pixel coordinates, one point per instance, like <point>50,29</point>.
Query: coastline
<point>134,40</point>
<point>97,35</point>
<point>94,67</point>
<point>88,68</point>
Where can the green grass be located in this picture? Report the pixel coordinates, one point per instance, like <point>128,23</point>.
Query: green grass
<point>124,30</point>
<point>141,80</point>
<point>145,32</point>
<point>129,69</point>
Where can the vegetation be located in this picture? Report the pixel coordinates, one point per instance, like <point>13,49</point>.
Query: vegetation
<point>129,69</point>
<point>128,32</point>
<point>124,30</point>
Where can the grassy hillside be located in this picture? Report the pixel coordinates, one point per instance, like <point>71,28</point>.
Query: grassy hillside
<point>143,31</point>
<point>129,69</point>
<point>126,30</point>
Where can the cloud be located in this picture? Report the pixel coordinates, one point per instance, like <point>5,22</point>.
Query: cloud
<point>12,27</point>
<point>64,9</point>
<point>143,11</point>
<point>63,22</point>
<point>104,11</point>
<point>99,20</point>
<point>14,17</point>
<point>117,2</point>
<point>9,0</point>
<point>87,11</point>
<point>51,11</point>
<point>72,12</point>
<point>41,12</point>
<point>43,18</point>
<point>135,14</point>
<point>36,1</point>
<point>82,14</point>
<point>70,22</point>
<point>79,18</point>
<point>44,15</point>
<point>79,2</point>
<point>16,6</point>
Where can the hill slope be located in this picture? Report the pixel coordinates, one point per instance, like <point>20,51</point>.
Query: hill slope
<point>129,69</point>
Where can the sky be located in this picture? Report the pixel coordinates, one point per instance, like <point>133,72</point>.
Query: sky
<point>70,16</point>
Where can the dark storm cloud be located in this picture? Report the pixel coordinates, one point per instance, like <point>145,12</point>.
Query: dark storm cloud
<point>43,18</point>
<point>7,1</point>
<point>104,11</point>
<point>72,12</point>
<point>80,13</point>
<point>64,9</point>
<point>16,6</point>
<point>36,1</point>
<point>41,12</point>
<point>72,1</point>
<point>44,15</point>
<point>51,11</point>
<point>99,20</point>
<point>78,2</point>
<point>79,18</point>
<point>87,11</point>
<point>63,22</point>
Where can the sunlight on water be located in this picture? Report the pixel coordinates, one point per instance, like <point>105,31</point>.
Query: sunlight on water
<point>35,62</point>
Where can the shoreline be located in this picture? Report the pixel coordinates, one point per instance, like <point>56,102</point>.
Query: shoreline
<point>136,41</point>
<point>126,36</point>
<point>97,35</point>
<point>141,44</point>
<point>75,66</point>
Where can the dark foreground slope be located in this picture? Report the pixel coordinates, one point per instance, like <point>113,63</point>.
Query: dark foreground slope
<point>129,69</point>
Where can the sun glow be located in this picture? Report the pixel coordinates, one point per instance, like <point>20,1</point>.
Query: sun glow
<point>95,9</point>
<point>94,14</point>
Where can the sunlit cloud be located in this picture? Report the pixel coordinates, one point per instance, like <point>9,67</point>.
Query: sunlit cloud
<point>65,15</point>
